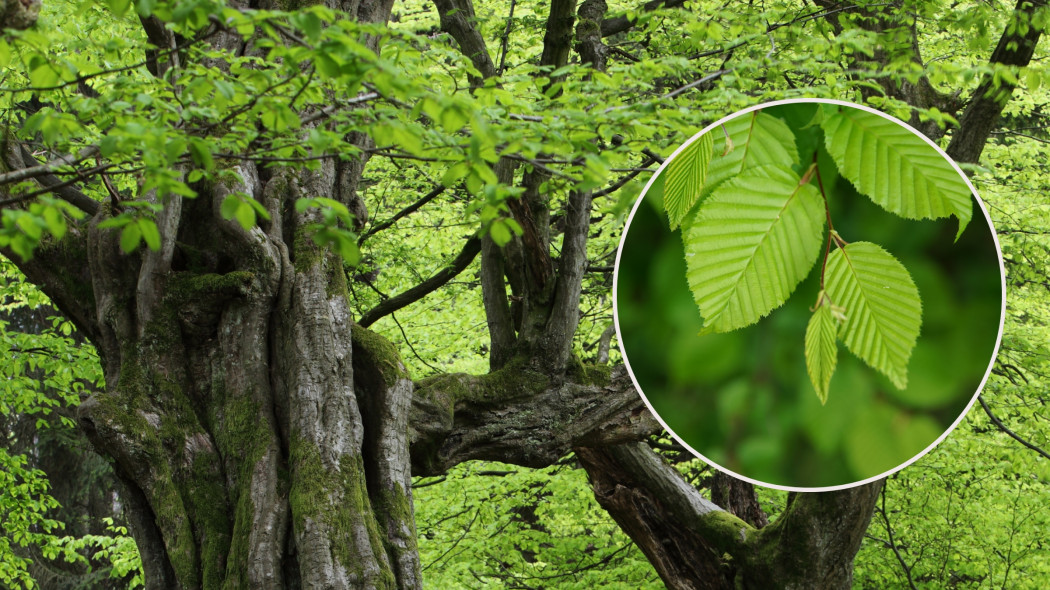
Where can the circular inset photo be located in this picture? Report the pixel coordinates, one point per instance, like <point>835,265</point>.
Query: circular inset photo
<point>809,295</point>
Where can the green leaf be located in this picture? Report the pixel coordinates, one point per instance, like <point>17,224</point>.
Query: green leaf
<point>149,233</point>
<point>229,206</point>
<point>881,304</point>
<point>201,153</point>
<point>453,119</point>
<point>43,76</point>
<point>500,232</point>
<point>245,215</point>
<point>55,222</point>
<point>751,243</point>
<point>686,173</point>
<point>897,169</point>
<point>119,7</point>
<point>130,237</point>
<point>821,351</point>
<point>755,139</point>
<point>455,172</point>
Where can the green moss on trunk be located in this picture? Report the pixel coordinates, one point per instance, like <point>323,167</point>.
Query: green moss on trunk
<point>311,499</point>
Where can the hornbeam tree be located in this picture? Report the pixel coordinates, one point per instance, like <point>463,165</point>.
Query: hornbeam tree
<point>188,187</point>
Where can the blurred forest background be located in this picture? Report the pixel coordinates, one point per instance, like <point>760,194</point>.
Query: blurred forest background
<point>973,513</point>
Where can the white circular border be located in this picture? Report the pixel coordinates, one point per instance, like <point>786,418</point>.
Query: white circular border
<point>1002,280</point>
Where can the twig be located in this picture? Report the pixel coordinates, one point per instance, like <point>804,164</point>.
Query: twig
<point>401,214</point>
<point>505,42</point>
<point>999,423</point>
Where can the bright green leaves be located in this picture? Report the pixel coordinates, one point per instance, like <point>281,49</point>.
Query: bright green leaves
<point>752,139</point>
<point>754,239</point>
<point>821,350</point>
<point>135,228</point>
<point>753,229</point>
<point>685,178</point>
<point>898,170</point>
<point>881,304</point>
<point>22,230</point>
<point>119,7</point>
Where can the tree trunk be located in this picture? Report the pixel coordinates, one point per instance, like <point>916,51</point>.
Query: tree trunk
<point>259,448</point>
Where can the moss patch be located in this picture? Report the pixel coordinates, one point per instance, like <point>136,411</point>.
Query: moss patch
<point>313,495</point>
<point>513,381</point>
<point>379,352</point>
<point>185,287</point>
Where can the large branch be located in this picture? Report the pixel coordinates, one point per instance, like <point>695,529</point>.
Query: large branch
<point>619,24</point>
<point>557,41</point>
<point>898,37</point>
<point>436,281</point>
<point>811,545</point>
<point>457,19</point>
<point>518,416</point>
<point>682,534</point>
<point>64,189</point>
<point>58,267</point>
<point>1015,48</point>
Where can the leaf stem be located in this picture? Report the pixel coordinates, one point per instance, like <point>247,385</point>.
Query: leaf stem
<point>831,227</point>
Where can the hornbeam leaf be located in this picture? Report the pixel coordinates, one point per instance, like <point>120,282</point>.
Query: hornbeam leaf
<point>755,139</point>
<point>895,168</point>
<point>685,179</point>
<point>750,244</point>
<point>882,307</point>
<point>821,351</point>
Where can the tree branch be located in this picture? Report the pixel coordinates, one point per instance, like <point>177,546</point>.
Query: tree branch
<point>522,417</point>
<point>457,19</point>
<point>401,214</point>
<point>986,105</point>
<point>437,280</point>
<point>826,527</point>
<point>999,424</point>
<point>589,36</point>
<point>892,542</point>
<point>557,40</point>
<point>30,172</point>
<point>682,534</point>
<point>565,308</point>
<point>505,40</point>
<point>619,24</point>
<point>63,189</point>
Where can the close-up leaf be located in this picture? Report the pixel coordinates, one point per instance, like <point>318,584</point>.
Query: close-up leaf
<point>881,304</point>
<point>685,177</point>
<point>753,240</point>
<point>821,350</point>
<point>754,139</point>
<point>899,171</point>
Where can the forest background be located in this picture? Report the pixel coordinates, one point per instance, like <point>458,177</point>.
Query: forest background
<point>472,109</point>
